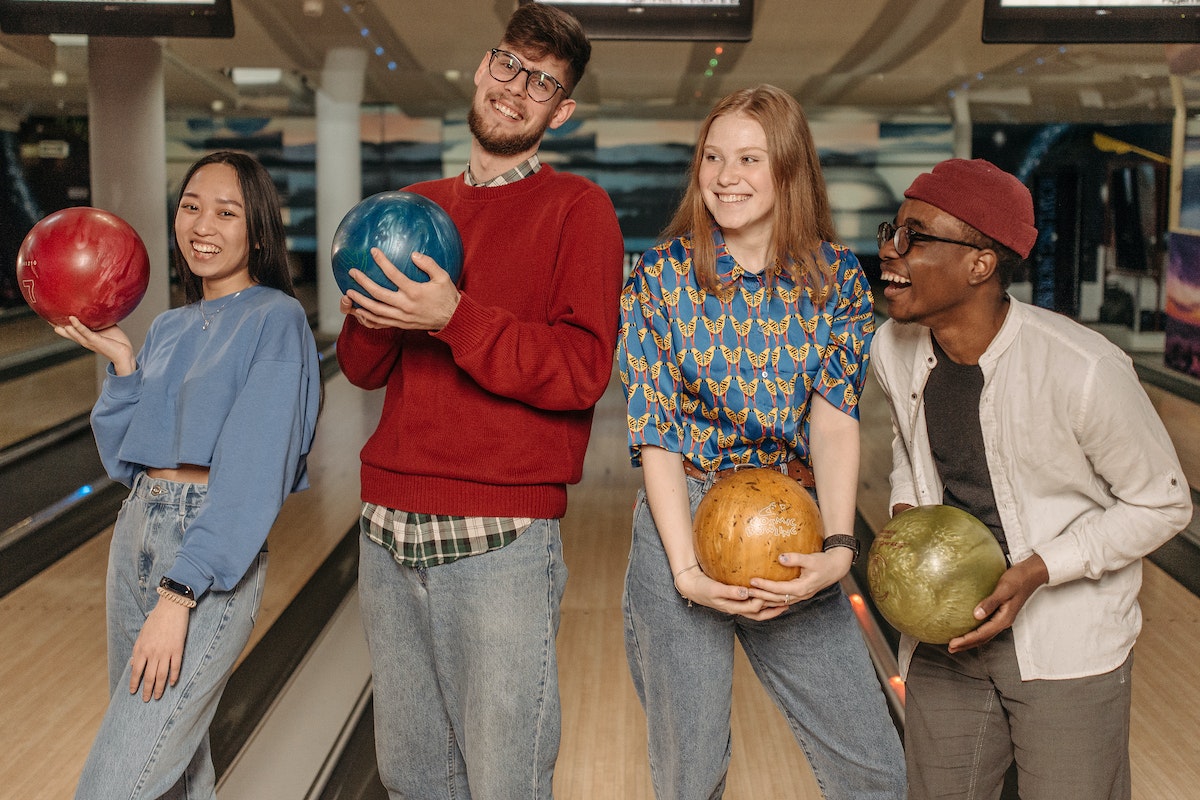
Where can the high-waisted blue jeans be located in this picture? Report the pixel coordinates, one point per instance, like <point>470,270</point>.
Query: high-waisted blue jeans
<point>811,660</point>
<point>160,748</point>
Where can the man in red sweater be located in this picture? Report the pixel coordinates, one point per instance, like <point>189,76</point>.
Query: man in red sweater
<point>490,387</point>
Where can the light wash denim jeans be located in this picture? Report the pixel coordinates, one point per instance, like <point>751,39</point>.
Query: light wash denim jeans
<point>969,716</point>
<point>811,660</point>
<point>160,748</point>
<point>465,670</point>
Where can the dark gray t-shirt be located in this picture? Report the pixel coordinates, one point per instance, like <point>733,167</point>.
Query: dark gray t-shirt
<point>956,439</point>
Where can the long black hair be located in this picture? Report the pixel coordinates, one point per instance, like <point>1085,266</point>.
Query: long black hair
<point>264,226</point>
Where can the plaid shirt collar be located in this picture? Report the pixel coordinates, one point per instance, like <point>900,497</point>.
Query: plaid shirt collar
<point>522,170</point>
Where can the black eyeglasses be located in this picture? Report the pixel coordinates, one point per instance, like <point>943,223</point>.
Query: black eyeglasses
<point>540,86</point>
<point>902,238</point>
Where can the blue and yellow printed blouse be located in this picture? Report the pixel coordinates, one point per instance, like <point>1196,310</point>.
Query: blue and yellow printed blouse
<point>727,382</point>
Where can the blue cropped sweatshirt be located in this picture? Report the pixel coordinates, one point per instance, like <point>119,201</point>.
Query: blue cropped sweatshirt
<point>240,398</point>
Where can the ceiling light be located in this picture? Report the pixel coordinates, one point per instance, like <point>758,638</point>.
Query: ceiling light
<point>255,76</point>
<point>313,8</point>
<point>69,39</point>
<point>58,77</point>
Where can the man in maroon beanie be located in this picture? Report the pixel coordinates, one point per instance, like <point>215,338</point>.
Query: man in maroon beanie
<point>1038,427</point>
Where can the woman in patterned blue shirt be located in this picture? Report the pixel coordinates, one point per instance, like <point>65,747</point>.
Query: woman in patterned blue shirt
<point>744,342</point>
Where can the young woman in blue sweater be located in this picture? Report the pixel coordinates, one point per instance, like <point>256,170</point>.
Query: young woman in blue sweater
<point>209,426</point>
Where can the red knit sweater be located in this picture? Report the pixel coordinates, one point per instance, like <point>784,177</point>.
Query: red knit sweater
<point>490,416</point>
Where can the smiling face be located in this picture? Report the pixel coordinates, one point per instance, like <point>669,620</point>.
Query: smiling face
<point>933,281</point>
<point>504,120</point>
<point>210,230</point>
<point>737,186</point>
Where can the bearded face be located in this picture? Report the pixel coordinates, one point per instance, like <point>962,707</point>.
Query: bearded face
<point>503,119</point>
<point>498,140</point>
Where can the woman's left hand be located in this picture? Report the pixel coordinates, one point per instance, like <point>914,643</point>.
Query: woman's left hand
<point>111,342</point>
<point>158,651</point>
<point>817,571</point>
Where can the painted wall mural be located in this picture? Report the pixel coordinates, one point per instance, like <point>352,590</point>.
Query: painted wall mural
<point>1182,349</point>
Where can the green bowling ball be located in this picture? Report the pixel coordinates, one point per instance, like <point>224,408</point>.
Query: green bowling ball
<point>929,567</point>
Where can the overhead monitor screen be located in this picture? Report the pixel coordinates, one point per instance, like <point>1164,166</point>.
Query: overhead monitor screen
<point>209,18</point>
<point>1115,21</point>
<point>691,20</point>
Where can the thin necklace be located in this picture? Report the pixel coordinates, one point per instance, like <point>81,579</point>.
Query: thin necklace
<point>209,318</point>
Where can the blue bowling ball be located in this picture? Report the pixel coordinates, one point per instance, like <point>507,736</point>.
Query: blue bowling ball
<point>399,224</point>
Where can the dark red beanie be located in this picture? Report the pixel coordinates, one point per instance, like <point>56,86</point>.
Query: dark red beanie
<point>982,195</point>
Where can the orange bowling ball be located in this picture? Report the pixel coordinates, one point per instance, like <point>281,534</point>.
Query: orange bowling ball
<point>750,517</point>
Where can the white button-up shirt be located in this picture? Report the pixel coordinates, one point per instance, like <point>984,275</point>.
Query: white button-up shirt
<point>1082,468</point>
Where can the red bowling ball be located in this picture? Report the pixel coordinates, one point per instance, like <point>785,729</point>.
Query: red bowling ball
<point>83,262</point>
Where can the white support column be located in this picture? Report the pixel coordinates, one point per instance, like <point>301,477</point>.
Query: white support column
<point>127,154</point>
<point>339,166</point>
<point>962,125</point>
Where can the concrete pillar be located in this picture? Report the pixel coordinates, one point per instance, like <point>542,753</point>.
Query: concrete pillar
<point>961,107</point>
<point>339,166</point>
<point>127,153</point>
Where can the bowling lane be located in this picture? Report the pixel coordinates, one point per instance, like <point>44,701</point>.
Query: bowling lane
<point>52,667</point>
<point>37,401</point>
<point>22,331</point>
<point>1182,420</point>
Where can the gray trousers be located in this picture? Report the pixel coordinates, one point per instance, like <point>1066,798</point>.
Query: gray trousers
<point>968,716</point>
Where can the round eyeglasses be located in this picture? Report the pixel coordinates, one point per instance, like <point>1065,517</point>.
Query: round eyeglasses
<point>902,238</point>
<point>540,86</point>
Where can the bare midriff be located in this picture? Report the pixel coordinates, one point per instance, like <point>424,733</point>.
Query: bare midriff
<point>184,473</point>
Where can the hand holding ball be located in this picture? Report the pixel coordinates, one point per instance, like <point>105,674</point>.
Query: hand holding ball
<point>399,224</point>
<point>929,567</point>
<point>748,519</point>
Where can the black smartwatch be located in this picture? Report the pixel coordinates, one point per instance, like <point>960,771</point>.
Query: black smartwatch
<point>841,540</point>
<point>183,590</point>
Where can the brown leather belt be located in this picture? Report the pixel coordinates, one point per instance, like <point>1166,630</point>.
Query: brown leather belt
<point>793,469</point>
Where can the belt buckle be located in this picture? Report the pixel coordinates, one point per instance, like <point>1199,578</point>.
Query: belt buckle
<point>782,466</point>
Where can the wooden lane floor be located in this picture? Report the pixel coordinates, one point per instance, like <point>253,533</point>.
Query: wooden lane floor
<point>1182,419</point>
<point>40,400</point>
<point>33,401</point>
<point>21,331</point>
<point>52,684</point>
